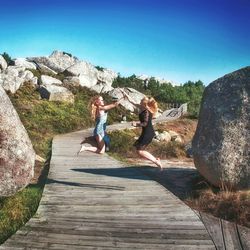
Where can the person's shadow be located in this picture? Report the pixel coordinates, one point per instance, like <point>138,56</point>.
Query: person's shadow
<point>177,180</point>
<point>89,140</point>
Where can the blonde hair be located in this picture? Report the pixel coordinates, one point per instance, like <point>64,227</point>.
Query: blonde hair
<point>152,104</point>
<point>93,106</point>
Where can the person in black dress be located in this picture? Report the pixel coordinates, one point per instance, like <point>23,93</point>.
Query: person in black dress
<point>147,109</point>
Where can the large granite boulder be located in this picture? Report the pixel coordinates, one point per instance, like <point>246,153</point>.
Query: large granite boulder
<point>107,76</point>
<point>135,95</point>
<point>45,70</point>
<point>90,77</point>
<point>48,80</point>
<point>72,80</point>
<point>56,93</point>
<point>13,77</point>
<point>222,140</point>
<point>24,63</point>
<point>17,157</point>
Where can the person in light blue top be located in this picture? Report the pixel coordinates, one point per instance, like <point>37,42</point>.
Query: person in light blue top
<point>99,114</point>
<point>100,126</point>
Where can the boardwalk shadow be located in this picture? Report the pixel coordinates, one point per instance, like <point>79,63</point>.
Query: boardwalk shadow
<point>75,184</point>
<point>175,179</point>
<point>120,172</point>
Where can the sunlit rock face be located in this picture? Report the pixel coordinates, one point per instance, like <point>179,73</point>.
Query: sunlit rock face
<point>17,157</point>
<point>56,93</point>
<point>222,140</point>
<point>58,61</point>
<point>135,95</point>
<point>24,63</point>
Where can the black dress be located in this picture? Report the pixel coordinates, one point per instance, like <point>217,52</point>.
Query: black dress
<point>148,132</point>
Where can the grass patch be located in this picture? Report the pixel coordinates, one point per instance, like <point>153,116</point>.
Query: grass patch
<point>122,143</point>
<point>16,210</point>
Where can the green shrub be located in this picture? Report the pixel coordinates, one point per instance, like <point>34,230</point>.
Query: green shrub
<point>122,142</point>
<point>7,58</point>
<point>99,68</point>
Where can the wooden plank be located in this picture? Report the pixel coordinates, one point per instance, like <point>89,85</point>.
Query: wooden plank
<point>244,235</point>
<point>214,228</point>
<point>123,222</point>
<point>132,232</point>
<point>108,240</point>
<point>231,238</point>
<point>118,224</point>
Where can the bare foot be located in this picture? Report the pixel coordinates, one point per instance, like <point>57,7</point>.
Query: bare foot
<point>81,150</point>
<point>158,163</point>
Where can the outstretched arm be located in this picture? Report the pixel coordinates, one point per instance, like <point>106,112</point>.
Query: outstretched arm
<point>109,106</point>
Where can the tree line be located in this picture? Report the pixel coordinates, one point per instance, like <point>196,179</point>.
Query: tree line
<point>189,92</point>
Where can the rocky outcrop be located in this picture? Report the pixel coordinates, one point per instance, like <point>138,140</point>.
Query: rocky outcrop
<point>89,76</point>
<point>134,94</point>
<point>45,70</point>
<point>106,76</point>
<point>24,63</point>
<point>17,157</point>
<point>222,140</point>
<point>48,80</point>
<point>80,71</point>
<point>13,77</point>
<point>50,89</point>
<point>71,80</point>
<point>56,93</point>
<point>58,61</point>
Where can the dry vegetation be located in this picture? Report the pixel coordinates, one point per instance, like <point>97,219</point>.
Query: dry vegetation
<point>221,202</point>
<point>165,150</point>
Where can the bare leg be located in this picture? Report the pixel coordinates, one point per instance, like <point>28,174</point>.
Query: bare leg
<point>150,157</point>
<point>100,149</point>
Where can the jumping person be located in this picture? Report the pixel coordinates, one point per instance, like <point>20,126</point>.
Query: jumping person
<point>99,114</point>
<point>147,109</point>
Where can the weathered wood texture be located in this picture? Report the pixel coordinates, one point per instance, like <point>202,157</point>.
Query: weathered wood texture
<point>92,201</point>
<point>226,235</point>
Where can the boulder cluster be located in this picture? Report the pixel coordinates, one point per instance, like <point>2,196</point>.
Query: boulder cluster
<point>76,72</point>
<point>58,71</point>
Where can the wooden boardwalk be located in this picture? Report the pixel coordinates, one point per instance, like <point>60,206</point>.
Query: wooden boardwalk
<point>95,202</point>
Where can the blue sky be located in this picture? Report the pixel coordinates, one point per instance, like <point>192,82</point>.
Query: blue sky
<point>178,40</point>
